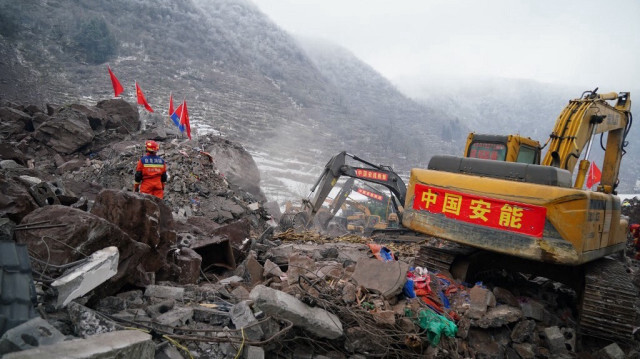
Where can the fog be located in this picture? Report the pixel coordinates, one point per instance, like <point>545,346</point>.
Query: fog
<point>575,43</point>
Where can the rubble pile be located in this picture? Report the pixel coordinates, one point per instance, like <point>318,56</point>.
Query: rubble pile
<point>204,272</point>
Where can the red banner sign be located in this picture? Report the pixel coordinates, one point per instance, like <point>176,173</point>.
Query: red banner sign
<point>489,212</point>
<point>372,174</point>
<point>370,194</point>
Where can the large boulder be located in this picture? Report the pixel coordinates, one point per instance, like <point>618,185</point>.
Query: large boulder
<point>67,132</point>
<point>8,151</point>
<point>97,118</point>
<point>15,200</point>
<point>72,234</point>
<point>237,165</point>
<point>120,115</point>
<point>145,218</point>
<point>14,123</point>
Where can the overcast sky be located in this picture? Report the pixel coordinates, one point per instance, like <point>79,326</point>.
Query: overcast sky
<point>584,43</point>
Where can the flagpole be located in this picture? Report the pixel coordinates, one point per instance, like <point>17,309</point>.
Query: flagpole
<point>184,98</point>
<point>143,121</point>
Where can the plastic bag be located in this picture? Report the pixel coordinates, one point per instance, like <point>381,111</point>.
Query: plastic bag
<point>436,325</point>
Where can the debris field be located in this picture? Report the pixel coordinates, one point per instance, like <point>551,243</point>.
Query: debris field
<point>92,269</point>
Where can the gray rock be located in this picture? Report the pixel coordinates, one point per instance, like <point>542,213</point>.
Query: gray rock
<point>79,280</point>
<point>532,309</point>
<point>253,352</point>
<point>158,309</point>
<point>611,351</point>
<point>212,316</point>
<point>161,291</point>
<point>174,318</point>
<point>168,352</point>
<point>30,334</point>
<point>66,132</point>
<point>386,278</point>
<point>524,350</point>
<point>555,340</point>
<point>242,317</point>
<point>240,293</point>
<point>523,331</point>
<point>120,344</point>
<point>86,322</point>
<point>480,300</point>
<point>499,316</point>
<point>282,305</point>
<point>7,164</point>
<point>111,305</point>
<point>271,269</point>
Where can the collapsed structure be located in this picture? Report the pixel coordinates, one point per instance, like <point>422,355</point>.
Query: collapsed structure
<point>90,268</point>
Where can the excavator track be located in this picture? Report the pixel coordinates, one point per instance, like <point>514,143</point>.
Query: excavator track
<point>438,255</point>
<point>609,302</point>
<point>608,308</point>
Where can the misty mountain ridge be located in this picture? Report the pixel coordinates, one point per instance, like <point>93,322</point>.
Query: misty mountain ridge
<point>517,106</point>
<point>293,103</point>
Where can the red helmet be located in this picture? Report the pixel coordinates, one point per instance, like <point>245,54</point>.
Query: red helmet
<point>152,146</point>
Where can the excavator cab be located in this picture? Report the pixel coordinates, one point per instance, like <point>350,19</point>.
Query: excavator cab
<point>511,148</point>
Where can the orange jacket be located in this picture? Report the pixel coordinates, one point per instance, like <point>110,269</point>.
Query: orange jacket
<point>151,174</point>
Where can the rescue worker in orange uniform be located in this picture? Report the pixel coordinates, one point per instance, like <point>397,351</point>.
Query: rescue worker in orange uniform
<point>151,172</point>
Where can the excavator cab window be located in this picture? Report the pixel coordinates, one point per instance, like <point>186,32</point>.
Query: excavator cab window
<point>488,151</point>
<point>527,155</point>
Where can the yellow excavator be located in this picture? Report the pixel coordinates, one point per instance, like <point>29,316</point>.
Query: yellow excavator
<point>537,219</point>
<point>363,222</point>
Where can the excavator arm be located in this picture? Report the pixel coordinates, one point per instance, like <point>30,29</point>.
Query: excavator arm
<point>336,168</point>
<point>575,128</point>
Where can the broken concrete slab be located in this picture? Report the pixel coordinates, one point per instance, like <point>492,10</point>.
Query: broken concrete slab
<point>555,340</point>
<point>162,307</point>
<point>611,351</point>
<point>480,299</point>
<point>33,333</point>
<point>119,344</point>
<point>80,280</point>
<point>282,305</point>
<point>86,322</point>
<point>387,317</point>
<point>174,318</point>
<point>189,262</point>
<point>240,293</point>
<point>499,316</point>
<point>271,269</point>
<point>168,352</point>
<point>300,265</point>
<point>212,316</point>
<point>230,280</point>
<point>386,278</point>
<point>243,317</point>
<point>254,270</point>
<point>253,352</point>
<point>523,331</point>
<point>524,350</point>
<point>532,309</point>
<point>163,291</point>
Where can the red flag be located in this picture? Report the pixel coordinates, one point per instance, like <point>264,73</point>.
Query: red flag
<point>184,120</point>
<point>593,176</point>
<point>170,104</point>
<point>117,87</point>
<point>141,99</point>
